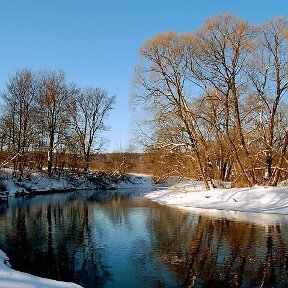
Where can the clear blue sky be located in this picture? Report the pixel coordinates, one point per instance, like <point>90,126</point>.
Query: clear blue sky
<point>96,42</point>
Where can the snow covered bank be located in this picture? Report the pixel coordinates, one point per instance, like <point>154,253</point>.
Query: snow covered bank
<point>40,183</point>
<point>10,278</point>
<point>193,196</point>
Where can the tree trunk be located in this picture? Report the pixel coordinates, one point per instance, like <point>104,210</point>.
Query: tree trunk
<point>268,170</point>
<point>86,160</point>
<point>281,160</point>
<point>50,154</point>
<point>202,172</point>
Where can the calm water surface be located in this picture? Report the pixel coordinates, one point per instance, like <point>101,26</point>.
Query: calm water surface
<point>114,239</point>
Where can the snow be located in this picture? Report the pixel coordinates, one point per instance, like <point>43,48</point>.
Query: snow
<point>262,205</point>
<point>10,278</point>
<point>39,182</point>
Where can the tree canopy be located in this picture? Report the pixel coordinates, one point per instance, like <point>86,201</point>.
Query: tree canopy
<point>219,97</point>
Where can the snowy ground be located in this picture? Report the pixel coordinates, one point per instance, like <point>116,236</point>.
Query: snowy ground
<point>10,278</point>
<point>262,205</point>
<point>39,182</point>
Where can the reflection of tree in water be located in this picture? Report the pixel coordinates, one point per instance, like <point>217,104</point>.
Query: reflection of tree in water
<point>65,247</point>
<point>206,252</point>
<point>200,251</point>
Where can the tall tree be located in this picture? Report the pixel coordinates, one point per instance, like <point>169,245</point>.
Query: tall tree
<point>222,86</point>
<point>164,79</point>
<point>53,99</point>
<point>89,111</point>
<point>224,44</point>
<point>268,75</point>
<point>20,101</point>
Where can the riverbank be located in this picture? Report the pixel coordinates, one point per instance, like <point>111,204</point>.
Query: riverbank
<point>10,278</point>
<point>34,183</point>
<point>39,183</point>
<point>226,202</point>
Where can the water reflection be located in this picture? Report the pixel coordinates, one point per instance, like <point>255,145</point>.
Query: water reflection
<point>112,239</point>
<point>207,252</point>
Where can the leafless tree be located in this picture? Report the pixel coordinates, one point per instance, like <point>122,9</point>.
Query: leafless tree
<point>267,72</point>
<point>163,77</point>
<point>89,111</point>
<point>53,99</point>
<point>18,119</point>
<point>224,44</point>
<point>220,92</point>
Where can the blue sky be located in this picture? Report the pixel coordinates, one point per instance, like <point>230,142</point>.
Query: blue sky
<point>96,42</point>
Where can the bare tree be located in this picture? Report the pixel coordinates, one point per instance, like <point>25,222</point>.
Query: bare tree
<point>267,72</point>
<point>219,93</point>
<point>224,44</point>
<point>42,114</point>
<point>163,81</point>
<point>53,103</point>
<point>89,111</point>
<point>20,101</point>
<point>211,115</point>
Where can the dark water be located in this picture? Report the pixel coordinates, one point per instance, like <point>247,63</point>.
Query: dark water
<point>111,239</point>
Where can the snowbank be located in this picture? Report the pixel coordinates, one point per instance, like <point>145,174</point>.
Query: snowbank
<point>10,278</point>
<point>193,196</point>
<point>40,183</point>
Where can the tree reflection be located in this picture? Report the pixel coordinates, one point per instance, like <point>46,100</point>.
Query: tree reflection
<point>63,246</point>
<point>207,252</point>
<point>61,238</point>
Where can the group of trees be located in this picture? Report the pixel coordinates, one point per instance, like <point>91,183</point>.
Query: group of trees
<point>217,98</point>
<point>42,115</point>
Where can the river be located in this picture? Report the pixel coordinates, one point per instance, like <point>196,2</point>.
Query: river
<point>121,239</point>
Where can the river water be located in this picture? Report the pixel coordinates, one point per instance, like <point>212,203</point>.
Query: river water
<point>119,239</point>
